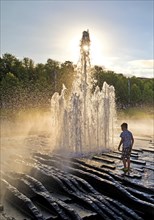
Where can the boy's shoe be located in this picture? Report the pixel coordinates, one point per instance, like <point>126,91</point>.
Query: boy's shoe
<point>125,169</point>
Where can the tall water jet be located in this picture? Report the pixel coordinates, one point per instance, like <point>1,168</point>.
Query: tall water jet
<point>84,121</point>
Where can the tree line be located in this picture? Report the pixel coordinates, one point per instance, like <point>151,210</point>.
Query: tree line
<point>130,91</point>
<point>24,84</point>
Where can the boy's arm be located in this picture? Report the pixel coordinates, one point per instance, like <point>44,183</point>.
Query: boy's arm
<point>120,144</point>
<point>132,141</point>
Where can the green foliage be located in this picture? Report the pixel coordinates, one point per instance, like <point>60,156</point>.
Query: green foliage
<point>130,92</point>
<point>148,93</point>
<point>135,93</point>
<point>121,91</point>
<point>24,85</point>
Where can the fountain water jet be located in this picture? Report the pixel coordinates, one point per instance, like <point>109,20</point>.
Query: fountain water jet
<point>84,122</point>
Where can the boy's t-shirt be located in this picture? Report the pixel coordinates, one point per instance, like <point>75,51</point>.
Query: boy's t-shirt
<point>127,138</point>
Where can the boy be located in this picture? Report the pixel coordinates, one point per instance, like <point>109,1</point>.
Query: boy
<point>127,141</point>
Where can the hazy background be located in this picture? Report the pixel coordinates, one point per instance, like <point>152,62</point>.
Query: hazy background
<point>140,122</point>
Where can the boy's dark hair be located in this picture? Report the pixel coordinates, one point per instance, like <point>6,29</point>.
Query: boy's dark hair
<point>125,125</point>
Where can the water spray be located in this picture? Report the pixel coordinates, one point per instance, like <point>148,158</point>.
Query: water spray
<point>84,122</point>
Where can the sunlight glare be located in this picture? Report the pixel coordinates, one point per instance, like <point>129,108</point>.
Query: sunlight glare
<point>85,48</point>
<point>98,47</point>
<point>97,55</point>
<point>74,48</point>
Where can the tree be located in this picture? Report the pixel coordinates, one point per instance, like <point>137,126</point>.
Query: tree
<point>24,84</point>
<point>148,94</point>
<point>135,95</point>
<point>9,63</point>
<point>121,90</point>
<point>29,69</point>
<point>51,67</point>
<point>9,89</point>
<point>66,75</point>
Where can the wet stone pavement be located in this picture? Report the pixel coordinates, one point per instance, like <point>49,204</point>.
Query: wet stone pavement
<point>48,186</point>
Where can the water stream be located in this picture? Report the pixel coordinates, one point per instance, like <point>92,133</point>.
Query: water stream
<point>84,121</point>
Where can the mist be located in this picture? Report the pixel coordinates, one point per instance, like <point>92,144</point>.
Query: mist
<point>140,122</point>
<point>24,134</point>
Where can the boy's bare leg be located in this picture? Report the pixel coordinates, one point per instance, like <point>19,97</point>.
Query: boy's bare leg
<point>124,162</point>
<point>128,161</point>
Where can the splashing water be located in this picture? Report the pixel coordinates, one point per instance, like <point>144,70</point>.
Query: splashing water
<point>84,122</point>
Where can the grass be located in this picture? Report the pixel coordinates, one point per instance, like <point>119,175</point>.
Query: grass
<point>136,113</point>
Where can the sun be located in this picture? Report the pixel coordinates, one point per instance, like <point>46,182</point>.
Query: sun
<point>74,47</point>
<point>96,51</point>
<point>98,46</point>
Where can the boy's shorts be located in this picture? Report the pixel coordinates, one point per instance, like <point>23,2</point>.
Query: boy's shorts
<point>126,153</point>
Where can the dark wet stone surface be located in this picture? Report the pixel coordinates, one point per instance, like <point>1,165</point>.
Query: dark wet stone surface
<point>51,186</point>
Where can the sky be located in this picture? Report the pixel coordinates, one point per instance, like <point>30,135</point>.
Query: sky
<point>121,32</point>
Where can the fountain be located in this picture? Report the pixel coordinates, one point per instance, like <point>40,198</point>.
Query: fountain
<point>44,186</point>
<point>84,121</point>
